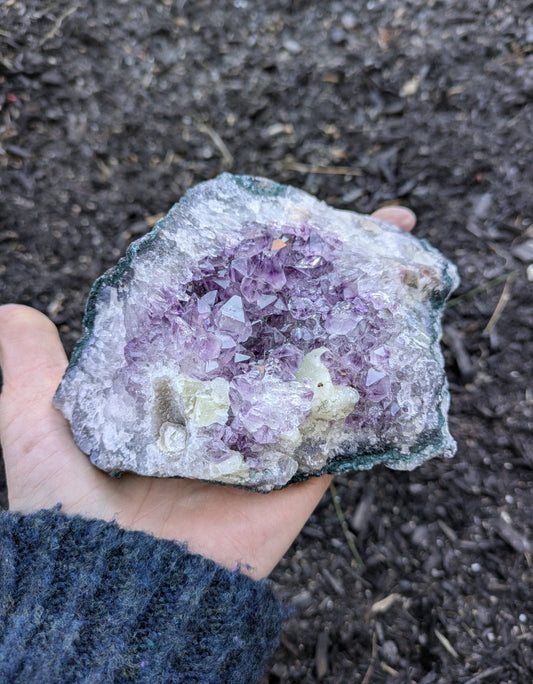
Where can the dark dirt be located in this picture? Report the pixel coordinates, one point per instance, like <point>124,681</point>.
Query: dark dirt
<point>109,111</point>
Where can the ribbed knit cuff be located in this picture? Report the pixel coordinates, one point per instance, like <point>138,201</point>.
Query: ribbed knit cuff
<point>86,601</point>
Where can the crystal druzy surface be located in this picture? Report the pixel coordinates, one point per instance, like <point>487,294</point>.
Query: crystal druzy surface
<point>258,336</point>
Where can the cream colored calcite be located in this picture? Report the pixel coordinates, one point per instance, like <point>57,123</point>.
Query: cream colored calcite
<point>330,402</point>
<point>232,469</point>
<point>203,402</point>
<point>172,438</point>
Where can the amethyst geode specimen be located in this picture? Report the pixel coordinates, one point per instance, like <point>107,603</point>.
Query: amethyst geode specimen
<point>256,337</point>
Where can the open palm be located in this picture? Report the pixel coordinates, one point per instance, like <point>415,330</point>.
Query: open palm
<point>44,466</point>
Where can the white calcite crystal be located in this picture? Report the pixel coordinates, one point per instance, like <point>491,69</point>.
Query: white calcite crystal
<point>257,337</point>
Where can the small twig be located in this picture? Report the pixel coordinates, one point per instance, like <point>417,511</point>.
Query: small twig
<point>326,170</point>
<point>482,288</point>
<point>39,14</point>
<point>6,63</point>
<point>447,531</point>
<point>389,670</point>
<point>57,26</point>
<point>462,357</point>
<point>344,525</point>
<point>219,144</point>
<point>483,675</point>
<point>500,306</point>
<point>370,670</point>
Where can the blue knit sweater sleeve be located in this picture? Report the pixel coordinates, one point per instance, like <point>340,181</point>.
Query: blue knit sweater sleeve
<point>86,601</point>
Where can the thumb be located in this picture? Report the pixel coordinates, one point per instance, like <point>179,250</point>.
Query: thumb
<point>32,361</point>
<point>31,430</point>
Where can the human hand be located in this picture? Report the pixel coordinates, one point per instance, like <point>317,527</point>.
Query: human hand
<point>45,467</point>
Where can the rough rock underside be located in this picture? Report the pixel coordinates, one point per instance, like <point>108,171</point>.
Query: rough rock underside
<point>258,336</point>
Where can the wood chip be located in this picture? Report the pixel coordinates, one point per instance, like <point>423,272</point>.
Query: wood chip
<point>446,644</point>
<point>334,581</point>
<point>363,512</point>
<point>321,654</point>
<point>519,542</point>
<point>447,531</point>
<point>484,675</point>
<point>152,220</point>
<point>410,87</point>
<point>384,604</point>
<point>454,339</point>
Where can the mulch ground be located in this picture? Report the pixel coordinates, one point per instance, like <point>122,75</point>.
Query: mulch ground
<point>109,111</point>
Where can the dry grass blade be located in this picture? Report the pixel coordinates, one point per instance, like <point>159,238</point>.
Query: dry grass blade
<point>370,671</point>
<point>57,25</point>
<point>500,306</point>
<point>325,170</point>
<point>227,157</point>
<point>493,282</point>
<point>446,644</point>
<point>344,525</point>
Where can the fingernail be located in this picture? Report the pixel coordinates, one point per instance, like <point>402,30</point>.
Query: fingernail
<point>400,216</point>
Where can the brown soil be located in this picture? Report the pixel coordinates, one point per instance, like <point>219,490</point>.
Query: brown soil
<point>109,111</point>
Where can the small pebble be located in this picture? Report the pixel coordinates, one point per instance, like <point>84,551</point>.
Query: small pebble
<point>390,652</point>
<point>292,46</point>
<point>348,21</point>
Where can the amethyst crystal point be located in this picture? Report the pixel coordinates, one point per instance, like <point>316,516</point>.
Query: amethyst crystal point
<point>256,337</point>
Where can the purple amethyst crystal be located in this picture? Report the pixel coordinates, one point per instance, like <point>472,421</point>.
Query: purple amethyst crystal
<point>256,337</point>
